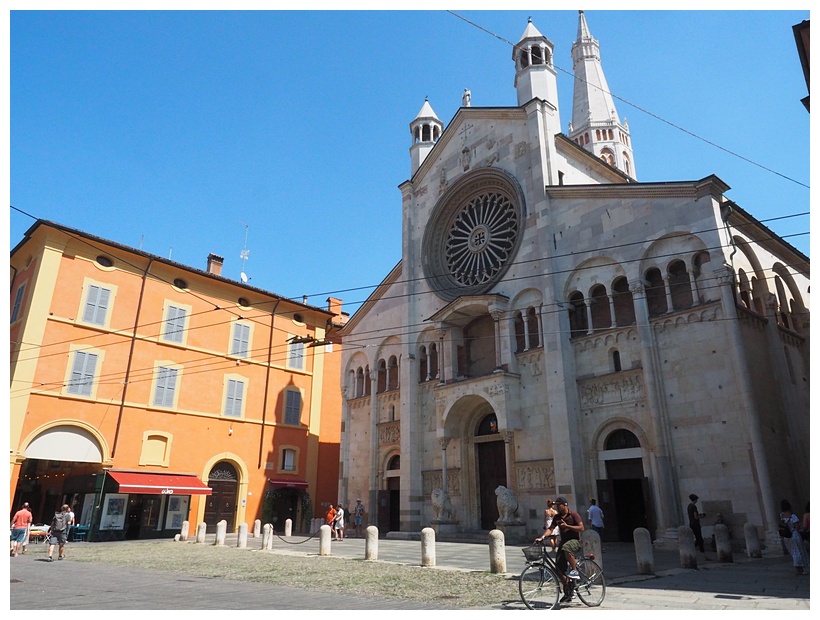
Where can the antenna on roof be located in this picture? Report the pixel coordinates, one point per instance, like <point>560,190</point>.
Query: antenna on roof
<point>244,256</point>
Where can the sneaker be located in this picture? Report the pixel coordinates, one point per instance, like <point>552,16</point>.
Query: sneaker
<point>566,598</point>
<point>59,557</point>
<point>573,574</point>
<point>50,559</point>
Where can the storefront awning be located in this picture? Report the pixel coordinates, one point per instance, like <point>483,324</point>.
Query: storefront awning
<point>159,484</point>
<point>288,483</point>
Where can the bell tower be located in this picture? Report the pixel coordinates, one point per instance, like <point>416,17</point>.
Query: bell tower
<point>535,75</point>
<point>595,125</point>
<point>426,129</point>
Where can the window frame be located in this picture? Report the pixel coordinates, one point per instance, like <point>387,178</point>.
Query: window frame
<point>288,408</point>
<point>296,351</point>
<point>159,367</point>
<point>96,306</point>
<point>239,325</point>
<point>19,295</point>
<point>229,397</point>
<point>167,319</point>
<point>74,387</point>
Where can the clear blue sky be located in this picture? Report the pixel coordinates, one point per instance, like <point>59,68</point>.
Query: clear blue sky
<point>172,131</point>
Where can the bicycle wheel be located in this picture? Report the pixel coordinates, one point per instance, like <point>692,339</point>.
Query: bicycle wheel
<point>539,587</point>
<point>591,587</point>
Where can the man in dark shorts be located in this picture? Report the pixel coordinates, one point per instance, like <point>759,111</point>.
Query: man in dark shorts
<point>57,532</point>
<point>570,525</point>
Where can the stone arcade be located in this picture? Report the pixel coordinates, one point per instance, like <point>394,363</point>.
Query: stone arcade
<point>557,327</point>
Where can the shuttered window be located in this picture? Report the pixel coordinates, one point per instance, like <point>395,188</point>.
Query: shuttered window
<point>296,355</point>
<point>233,398</point>
<point>96,304</point>
<point>293,407</point>
<point>166,386</point>
<point>174,324</point>
<point>18,301</point>
<point>241,336</point>
<point>82,373</point>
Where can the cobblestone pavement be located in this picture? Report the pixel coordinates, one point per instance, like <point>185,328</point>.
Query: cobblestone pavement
<point>745,584</point>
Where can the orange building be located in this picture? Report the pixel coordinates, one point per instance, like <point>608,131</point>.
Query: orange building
<point>145,392</point>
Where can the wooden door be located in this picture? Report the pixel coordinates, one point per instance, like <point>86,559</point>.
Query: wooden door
<point>606,502</point>
<point>492,472</point>
<point>221,504</point>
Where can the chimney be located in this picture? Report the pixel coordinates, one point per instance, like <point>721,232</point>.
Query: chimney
<point>335,306</point>
<point>215,264</point>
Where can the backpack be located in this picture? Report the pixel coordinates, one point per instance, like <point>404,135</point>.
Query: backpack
<point>59,522</point>
<point>784,531</point>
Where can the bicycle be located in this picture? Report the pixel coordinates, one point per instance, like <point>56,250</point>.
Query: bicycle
<point>540,584</point>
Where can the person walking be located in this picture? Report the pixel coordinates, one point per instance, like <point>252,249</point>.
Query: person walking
<point>694,523</point>
<point>20,527</point>
<point>358,517</point>
<point>789,530</point>
<point>549,515</point>
<point>330,516</point>
<point>57,532</point>
<point>596,519</point>
<point>339,524</point>
<point>70,525</point>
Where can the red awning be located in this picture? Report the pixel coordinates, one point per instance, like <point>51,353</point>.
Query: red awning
<point>289,483</point>
<point>159,484</point>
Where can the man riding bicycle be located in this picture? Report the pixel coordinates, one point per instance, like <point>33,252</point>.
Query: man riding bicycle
<point>570,525</point>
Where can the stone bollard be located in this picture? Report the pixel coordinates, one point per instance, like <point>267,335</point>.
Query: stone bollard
<point>266,535</point>
<point>272,533</point>
<point>288,527</point>
<point>242,537</point>
<point>257,527</point>
<point>221,531</point>
<point>183,534</point>
<point>644,553</point>
<point>498,555</point>
<point>200,532</point>
<point>324,540</point>
<point>371,543</point>
<point>752,541</point>
<point>428,547</point>
<point>723,544</point>
<point>686,546</point>
<point>177,537</point>
<point>591,546</point>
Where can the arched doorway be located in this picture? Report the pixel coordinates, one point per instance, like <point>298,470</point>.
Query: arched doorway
<point>491,468</point>
<point>624,495</point>
<point>221,504</point>
<point>388,518</point>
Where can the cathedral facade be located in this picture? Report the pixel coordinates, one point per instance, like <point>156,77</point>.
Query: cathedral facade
<point>557,327</point>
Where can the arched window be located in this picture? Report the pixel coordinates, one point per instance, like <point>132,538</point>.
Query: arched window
<point>620,439</point>
<point>359,382</point>
<point>600,307</point>
<point>525,59</point>
<point>394,463</point>
<point>680,287</point>
<point>622,300</point>
<point>381,382</point>
<point>433,361</point>
<point>367,380</point>
<point>392,373</point>
<point>783,315</point>
<point>519,333</point>
<point>537,56</point>
<point>577,315</point>
<point>532,327</point>
<point>616,361</point>
<point>488,425</point>
<point>655,292</point>
<point>423,375</point>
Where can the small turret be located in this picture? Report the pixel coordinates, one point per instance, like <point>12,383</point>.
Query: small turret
<point>534,69</point>
<point>426,129</point>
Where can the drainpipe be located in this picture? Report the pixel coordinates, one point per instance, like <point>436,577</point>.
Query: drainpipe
<point>267,384</point>
<point>130,358</point>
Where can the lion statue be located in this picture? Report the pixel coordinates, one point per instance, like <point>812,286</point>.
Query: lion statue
<point>442,507</point>
<point>507,504</point>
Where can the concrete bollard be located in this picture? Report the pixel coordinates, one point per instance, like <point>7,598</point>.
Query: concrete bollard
<point>752,541</point>
<point>200,532</point>
<point>371,543</point>
<point>177,537</point>
<point>591,546</point>
<point>686,546</point>
<point>271,534</point>
<point>221,531</point>
<point>428,547</point>
<point>183,534</point>
<point>242,537</point>
<point>324,540</point>
<point>723,544</point>
<point>257,527</point>
<point>288,527</point>
<point>498,555</point>
<point>644,553</point>
<point>266,535</point>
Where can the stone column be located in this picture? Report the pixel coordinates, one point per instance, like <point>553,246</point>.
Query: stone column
<point>669,306</point>
<point>496,315</point>
<point>442,363</point>
<point>498,556</point>
<point>524,318</point>
<point>613,320</point>
<point>694,288</point>
<point>444,442</point>
<point>373,479</point>
<point>588,307</point>
<point>507,436</point>
<point>429,367</point>
<point>428,547</point>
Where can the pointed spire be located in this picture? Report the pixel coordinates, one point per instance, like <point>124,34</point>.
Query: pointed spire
<point>583,29</point>
<point>530,32</point>
<point>426,111</point>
